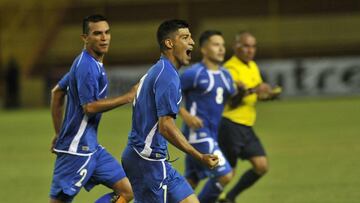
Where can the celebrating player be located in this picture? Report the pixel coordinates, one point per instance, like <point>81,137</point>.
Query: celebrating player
<point>155,107</point>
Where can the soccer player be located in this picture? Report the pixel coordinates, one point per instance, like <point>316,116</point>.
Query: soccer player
<point>155,107</point>
<point>236,135</point>
<point>81,161</point>
<point>206,86</point>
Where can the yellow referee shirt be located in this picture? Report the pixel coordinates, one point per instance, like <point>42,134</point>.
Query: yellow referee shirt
<point>249,75</point>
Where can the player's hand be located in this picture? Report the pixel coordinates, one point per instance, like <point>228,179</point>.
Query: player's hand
<point>53,141</point>
<point>193,122</point>
<point>210,160</point>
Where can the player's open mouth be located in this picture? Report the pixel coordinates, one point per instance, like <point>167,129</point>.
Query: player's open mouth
<point>188,52</point>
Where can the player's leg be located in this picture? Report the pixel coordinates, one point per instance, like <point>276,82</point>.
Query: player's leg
<point>177,188</point>
<point>190,199</point>
<point>71,172</point>
<point>110,197</point>
<point>124,190</point>
<point>250,177</point>
<point>55,201</point>
<point>255,153</point>
<point>122,193</point>
<point>231,141</point>
<point>193,171</point>
<point>260,165</point>
<point>219,178</point>
<point>61,198</point>
<point>148,177</point>
<point>111,174</point>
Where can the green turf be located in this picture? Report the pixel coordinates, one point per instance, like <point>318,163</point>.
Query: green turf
<point>313,147</point>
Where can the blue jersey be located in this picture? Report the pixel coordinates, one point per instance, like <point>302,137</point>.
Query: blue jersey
<point>86,82</point>
<point>159,94</point>
<point>205,92</point>
<point>64,82</point>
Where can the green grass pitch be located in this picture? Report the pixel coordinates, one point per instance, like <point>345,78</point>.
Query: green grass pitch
<point>313,147</point>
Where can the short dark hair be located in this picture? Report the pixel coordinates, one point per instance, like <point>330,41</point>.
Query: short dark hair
<point>205,36</point>
<point>92,18</point>
<point>168,27</point>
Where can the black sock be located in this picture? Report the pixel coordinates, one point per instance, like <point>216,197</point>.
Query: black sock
<point>246,180</point>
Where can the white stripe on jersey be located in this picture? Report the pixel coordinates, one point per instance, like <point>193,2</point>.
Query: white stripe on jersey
<point>211,82</point>
<point>193,140</point>
<point>226,82</point>
<point>75,142</point>
<point>197,76</point>
<point>103,89</point>
<point>146,158</point>
<point>179,100</point>
<point>149,138</point>
<point>139,89</point>
<point>77,154</point>
<point>82,53</point>
<point>73,153</point>
<point>193,110</point>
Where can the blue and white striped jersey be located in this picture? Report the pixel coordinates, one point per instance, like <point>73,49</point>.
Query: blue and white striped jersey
<point>205,92</point>
<point>159,94</point>
<point>85,82</point>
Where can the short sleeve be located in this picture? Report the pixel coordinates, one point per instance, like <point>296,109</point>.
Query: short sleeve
<point>64,82</point>
<point>187,80</point>
<point>232,89</point>
<point>87,84</point>
<point>167,97</point>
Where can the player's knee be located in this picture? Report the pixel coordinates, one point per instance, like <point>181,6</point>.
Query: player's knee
<point>127,195</point>
<point>224,180</point>
<point>124,189</point>
<point>261,168</point>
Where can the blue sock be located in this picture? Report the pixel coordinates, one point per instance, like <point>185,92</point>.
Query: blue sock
<point>211,191</point>
<point>105,198</point>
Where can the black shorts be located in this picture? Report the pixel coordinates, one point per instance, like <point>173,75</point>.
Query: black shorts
<point>236,140</point>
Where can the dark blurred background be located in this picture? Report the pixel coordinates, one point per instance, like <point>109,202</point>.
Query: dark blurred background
<point>302,45</point>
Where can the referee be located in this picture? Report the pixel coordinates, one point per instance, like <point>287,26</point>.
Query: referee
<point>237,138</point>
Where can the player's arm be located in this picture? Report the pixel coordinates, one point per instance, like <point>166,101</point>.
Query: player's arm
<point>57,107</point>
<point>104,105</point>
<point>241,91</point>
<point>171,132</point>
<point>193,122</point>
<point>187,84</point>
<point>57,111</point>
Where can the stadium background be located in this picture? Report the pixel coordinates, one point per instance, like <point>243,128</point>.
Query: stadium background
<point>312,134</point>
